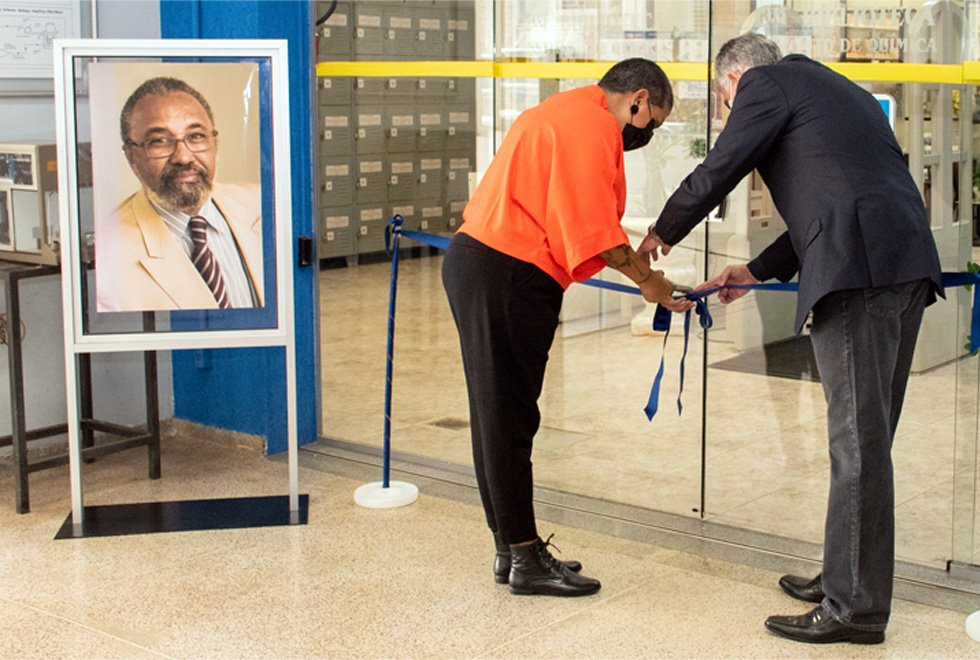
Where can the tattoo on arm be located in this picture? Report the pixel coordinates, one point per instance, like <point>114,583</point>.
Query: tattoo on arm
<point>623,259</point>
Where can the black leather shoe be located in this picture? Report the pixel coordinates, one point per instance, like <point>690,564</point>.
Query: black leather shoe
<point>818,627</point>
<point>534,571</point>
<point>801,588</point>
<point>501,563</point>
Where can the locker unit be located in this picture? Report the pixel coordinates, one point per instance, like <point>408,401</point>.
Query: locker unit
<point>457,176</point>
<point>433,218</point>
<point>433,31</point>
<point>390,145</point>
<point>460,125</point>
<point>369,91</point>
<point>369,137</point>
<point>398,40</point>
<point>333,35</point>
<point>432,177</point>
<point>336,232</point>
<point>336,181</point>
<point>406,211</point>
<point>400,90</point>
<point>334,91</point>
<point>403,184</point>
<point>433,126</point>
<point>368,35</point>
<point>335,134</point>
<point>371,228</point>
<point>455,217</point>
<point>370,186</point>
<point>400,129</point>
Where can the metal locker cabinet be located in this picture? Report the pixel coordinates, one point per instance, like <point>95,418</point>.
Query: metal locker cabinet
<point>462,31</point>
<point>402,178</point>
<point>432,34</point>
<point>370,236</point>
<point>433,217</point>
<point>369,91</point>
<point>333,40</point>
<point>400,128</point>
<point>336,181</point>
<point>411,220</point>
<point>334,91</point>
<point>457,176</point>
<point>398,38</point>
<point>369,136</point>
<point>400,90</point>
<point>431,91</point>
<point>461,129</point>
<point>431,178</point>
<point>455,217</point>
<point>432,127</point>
<point>367,31</point>
<point>335,135</point>
<point>370,187</point>
<point>461,91</point>
<point>336,232</point>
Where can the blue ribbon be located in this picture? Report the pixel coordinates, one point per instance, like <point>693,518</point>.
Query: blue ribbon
<point>661,318</point>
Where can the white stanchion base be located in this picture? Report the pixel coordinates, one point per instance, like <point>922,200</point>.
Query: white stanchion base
<point>973,625</point>
<point>376,496</point>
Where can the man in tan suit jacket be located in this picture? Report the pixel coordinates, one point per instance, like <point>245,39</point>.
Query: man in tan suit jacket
<point>144,249</point>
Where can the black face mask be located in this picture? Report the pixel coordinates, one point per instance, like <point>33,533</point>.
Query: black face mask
<point>635,137</point>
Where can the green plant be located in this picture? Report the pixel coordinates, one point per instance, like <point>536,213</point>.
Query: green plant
<point>699,149</point>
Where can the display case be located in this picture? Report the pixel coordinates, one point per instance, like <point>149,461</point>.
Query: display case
<point>29,223</point>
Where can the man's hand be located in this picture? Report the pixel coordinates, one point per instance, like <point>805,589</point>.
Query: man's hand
<point>731,275</point>
<point>657,289</point>
<point>648,247</point>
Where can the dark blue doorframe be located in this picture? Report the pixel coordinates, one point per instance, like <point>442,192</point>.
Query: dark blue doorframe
<point>244,389</point>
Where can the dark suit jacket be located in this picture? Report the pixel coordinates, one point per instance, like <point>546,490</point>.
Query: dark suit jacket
<point>824,148</point>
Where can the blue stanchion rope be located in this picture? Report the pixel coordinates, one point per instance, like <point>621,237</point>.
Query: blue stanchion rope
<point>662,317</point>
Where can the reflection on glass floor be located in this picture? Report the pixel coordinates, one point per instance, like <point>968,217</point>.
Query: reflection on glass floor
<point>766,467</point>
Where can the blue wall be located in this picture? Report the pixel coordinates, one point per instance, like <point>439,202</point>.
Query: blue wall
<point>244,389</point>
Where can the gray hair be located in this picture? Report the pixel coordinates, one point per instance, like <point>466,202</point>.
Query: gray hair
<point>745,52</point>
<point>637,73</point>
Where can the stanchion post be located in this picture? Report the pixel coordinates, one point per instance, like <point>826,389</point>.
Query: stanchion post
<point>388,494</point>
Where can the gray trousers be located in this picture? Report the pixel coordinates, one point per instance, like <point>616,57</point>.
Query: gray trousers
<point>863,340</point>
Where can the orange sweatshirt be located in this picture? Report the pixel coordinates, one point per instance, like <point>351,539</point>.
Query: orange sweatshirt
<point>555,191</point>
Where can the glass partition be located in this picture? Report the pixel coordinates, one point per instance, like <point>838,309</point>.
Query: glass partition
<point>749,450</point>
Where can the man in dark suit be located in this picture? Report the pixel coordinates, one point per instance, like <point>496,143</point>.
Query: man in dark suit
<point>859,238</point>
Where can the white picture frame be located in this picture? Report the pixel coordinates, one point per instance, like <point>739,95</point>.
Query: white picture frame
<point>276,325</point>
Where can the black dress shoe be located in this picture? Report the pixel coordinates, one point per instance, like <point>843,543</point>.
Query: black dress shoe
<point>818,627</point>
<point>534,571</point>
<point>501,563</point>
<point>801,588</point>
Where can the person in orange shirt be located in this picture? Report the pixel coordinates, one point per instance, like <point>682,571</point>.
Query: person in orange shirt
<point>546,213</point>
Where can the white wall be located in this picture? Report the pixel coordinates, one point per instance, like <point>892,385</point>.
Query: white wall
<point>117,378</point>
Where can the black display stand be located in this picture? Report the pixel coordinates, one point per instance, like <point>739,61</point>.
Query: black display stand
<point>11,273</point>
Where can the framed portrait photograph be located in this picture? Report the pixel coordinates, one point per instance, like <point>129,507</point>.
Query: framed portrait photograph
<point>183,238</point>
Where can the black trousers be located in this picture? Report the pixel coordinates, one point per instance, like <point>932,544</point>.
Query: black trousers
<point>506,312</point>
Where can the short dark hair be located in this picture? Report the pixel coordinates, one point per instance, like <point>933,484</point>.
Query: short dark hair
<point>161,86</point>
<point>639,73</point>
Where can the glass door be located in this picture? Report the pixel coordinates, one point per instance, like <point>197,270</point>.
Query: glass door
<point>767,465</point>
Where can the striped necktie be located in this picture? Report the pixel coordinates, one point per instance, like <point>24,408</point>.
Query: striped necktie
<point>205,262</point>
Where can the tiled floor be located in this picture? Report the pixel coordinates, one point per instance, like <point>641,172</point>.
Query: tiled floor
<point>766,466</point>
<point>413,582</point>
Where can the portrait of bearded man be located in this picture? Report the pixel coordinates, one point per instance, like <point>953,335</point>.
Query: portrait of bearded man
<point>183,240</point>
